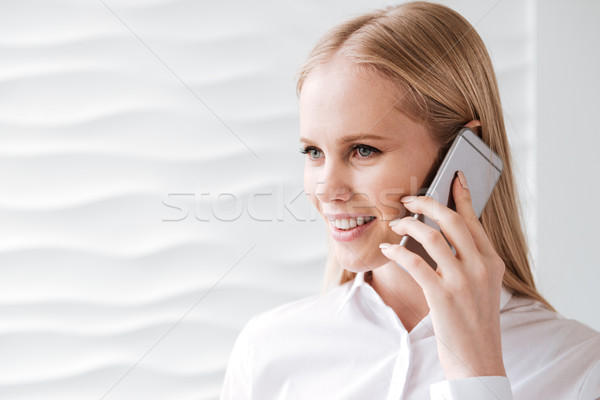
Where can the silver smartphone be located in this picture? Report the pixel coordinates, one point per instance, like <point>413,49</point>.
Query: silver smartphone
<point>482,168</point>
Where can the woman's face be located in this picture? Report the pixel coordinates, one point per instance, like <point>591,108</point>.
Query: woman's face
<point>349,173</point>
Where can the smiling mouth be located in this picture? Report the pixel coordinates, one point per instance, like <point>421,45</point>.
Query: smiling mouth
<point>348,224</point>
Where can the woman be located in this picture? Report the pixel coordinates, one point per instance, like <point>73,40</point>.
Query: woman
<point>382,97</point>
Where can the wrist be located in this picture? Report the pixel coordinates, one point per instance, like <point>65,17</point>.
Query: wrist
<point>463,372</point>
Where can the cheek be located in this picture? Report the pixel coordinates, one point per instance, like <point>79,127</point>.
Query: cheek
<point>310,186</point>
<point>389,204</point>
<point>387,191</point>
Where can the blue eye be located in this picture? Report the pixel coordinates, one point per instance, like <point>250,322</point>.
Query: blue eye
<point>311,151</point>
<point>362,150</point>
<point>365,151</point>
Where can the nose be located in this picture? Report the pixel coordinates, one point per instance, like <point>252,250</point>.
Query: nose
<point>334,184</point>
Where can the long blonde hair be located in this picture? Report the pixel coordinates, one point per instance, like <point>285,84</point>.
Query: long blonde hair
<point>444,69</point>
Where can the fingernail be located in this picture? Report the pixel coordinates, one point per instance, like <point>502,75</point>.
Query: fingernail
<point>394,222</point>
<point>462,179</point>
<point>384,245</point>
<point>407,199</point>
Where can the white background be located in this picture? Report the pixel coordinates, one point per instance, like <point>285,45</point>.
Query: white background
<point>151,185</point>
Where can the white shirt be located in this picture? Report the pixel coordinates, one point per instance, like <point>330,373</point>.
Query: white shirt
<point>348,344</point>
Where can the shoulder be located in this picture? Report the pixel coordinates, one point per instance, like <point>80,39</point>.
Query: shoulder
<point>541,344</point>
<point>527,315</point>
<point>298,314</point>
<point>311,309</point>
<point>591,383</point>
<point>273,335</point>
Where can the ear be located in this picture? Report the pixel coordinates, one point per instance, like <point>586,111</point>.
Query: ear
<point>474,125</point>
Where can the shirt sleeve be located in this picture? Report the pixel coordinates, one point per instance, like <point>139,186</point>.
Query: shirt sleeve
<point>476,387</point>
<point>237,383</point>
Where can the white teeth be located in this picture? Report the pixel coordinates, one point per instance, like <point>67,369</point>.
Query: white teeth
<point>350,223</point>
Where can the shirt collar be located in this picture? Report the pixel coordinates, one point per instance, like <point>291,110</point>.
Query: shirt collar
<point>359,280</point>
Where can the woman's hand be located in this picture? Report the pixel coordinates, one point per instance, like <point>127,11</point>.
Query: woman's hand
<point>463,294</point>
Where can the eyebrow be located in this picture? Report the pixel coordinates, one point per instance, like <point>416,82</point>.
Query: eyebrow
<point>351,138</point>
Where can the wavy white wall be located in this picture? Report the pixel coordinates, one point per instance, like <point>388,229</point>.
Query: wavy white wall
<point>123,273</point>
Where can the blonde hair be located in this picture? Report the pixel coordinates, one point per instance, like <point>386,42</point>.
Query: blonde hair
<point>441,64</point>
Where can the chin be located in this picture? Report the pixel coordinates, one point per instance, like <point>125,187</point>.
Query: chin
<point>353,264</point>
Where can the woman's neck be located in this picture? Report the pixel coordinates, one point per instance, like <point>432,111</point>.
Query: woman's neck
<point>400,291</point>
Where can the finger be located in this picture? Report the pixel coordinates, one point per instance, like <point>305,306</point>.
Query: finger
<point>464,207</point>
<point>449,221</point>
<point>431,239</point>
<point>414,264</point>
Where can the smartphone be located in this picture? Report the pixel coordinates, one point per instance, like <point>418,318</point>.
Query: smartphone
<point>482,168</point>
